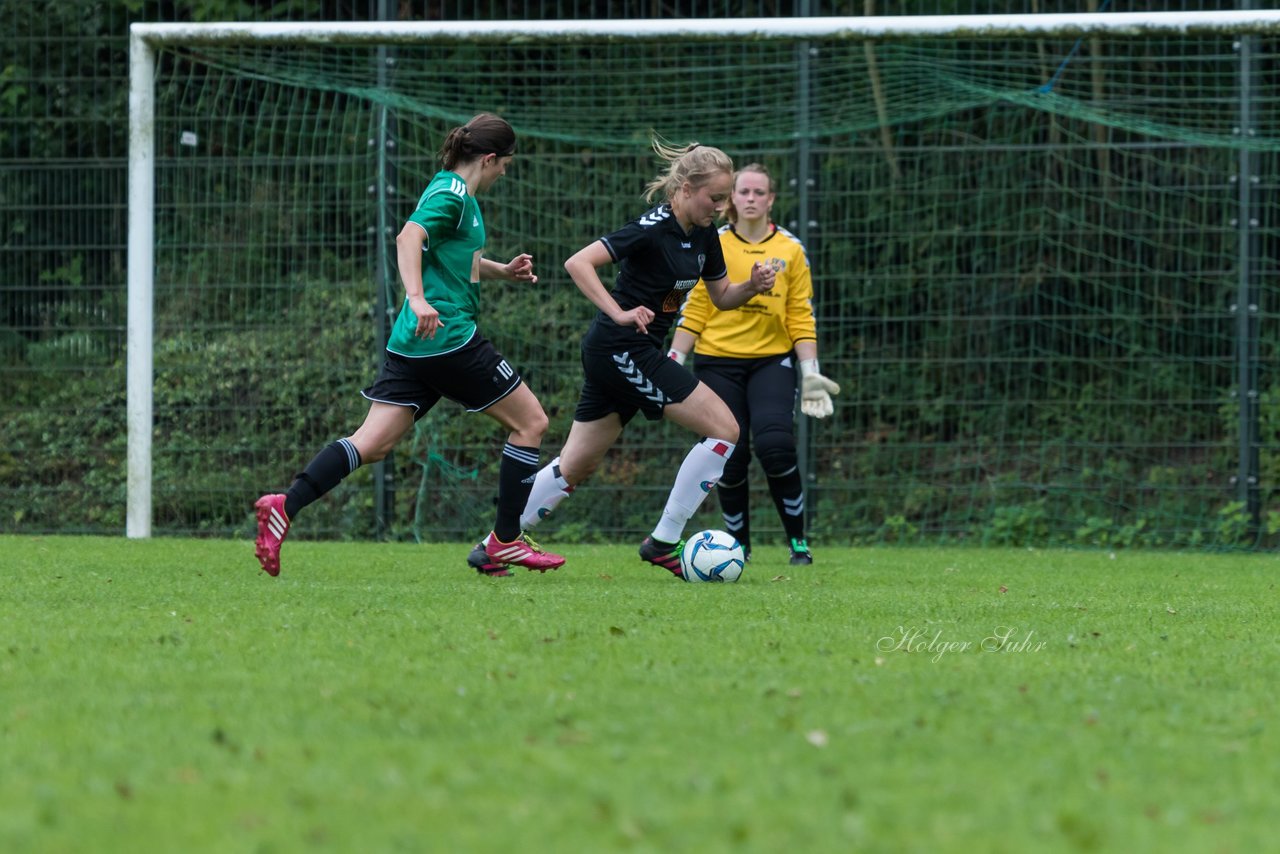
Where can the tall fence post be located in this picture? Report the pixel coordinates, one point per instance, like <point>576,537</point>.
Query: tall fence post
<point>1246,305</point>
<point>385,273</point>
<point>803,228</point>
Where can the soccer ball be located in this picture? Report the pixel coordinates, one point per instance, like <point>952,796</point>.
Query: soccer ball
<point>712,556</point>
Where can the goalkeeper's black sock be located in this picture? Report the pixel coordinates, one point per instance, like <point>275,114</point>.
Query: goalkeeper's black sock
<point>325,471</point>
<point>788,496</point>
<point>735,510</point>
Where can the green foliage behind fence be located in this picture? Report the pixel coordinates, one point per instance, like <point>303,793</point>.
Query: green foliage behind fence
<point>1031,298</point>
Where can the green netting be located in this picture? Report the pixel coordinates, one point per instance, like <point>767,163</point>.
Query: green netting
<point>1137,85</point>
<point>1029,292</point>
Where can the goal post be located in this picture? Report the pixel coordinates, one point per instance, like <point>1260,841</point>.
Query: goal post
<point>854,103</point>
<point>141,284</point>
<point>1067,25</point>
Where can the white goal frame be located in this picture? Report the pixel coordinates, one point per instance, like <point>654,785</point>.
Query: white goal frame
<point>145,39</point>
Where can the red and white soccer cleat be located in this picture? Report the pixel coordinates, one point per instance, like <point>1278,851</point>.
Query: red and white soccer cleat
<point>273,527</point>
<point>520,552</point>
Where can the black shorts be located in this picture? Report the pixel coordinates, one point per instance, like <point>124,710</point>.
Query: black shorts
<point>761,394</point>
<point>475,375</point>
<point>756,390</point>
<point>642,379</point>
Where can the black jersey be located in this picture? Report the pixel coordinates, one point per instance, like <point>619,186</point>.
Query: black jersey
<point>658,264</point>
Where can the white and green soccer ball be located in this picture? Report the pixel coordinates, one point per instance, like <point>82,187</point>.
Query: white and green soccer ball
<point>712,556</point>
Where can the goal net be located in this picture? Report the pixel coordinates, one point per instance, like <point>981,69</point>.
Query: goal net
<point>1041,251</point>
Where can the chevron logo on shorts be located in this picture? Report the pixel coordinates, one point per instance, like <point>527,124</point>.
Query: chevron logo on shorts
<point>629,370</point>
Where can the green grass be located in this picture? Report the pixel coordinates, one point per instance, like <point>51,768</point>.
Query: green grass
<point>165,696</point>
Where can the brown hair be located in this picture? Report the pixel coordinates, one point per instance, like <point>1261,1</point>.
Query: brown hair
<point>731,212</point>
<point>694,163</point>
<point>484,134</point>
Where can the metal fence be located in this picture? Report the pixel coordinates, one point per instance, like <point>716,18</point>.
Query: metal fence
<point>62,263</point>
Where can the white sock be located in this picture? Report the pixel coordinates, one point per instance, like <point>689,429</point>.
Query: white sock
<point>698,474</point>
<point>549,489</point>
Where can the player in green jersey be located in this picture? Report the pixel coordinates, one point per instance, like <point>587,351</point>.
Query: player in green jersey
<point>435,350</point>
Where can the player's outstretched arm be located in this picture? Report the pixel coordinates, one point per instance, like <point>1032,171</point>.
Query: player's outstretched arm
<point>518,269</point>
<point>725,295</point>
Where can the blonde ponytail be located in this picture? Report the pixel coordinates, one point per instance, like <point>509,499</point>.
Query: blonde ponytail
<point>694,163</point>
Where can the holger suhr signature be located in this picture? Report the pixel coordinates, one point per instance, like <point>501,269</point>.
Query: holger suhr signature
<point>1007,639</point>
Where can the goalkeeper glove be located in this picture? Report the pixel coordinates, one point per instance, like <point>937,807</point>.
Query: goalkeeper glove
<point>815,391</point>
<point>676,356</point>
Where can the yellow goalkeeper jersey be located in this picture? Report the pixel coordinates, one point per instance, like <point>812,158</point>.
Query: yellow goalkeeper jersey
<point>770,323</point>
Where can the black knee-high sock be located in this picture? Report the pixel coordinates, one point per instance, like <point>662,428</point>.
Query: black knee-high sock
<point>515,478</point>
<point>788,496</point>
<point>325,471</point>
<point>734,508</point>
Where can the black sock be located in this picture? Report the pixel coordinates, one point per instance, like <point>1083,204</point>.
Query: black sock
<point>325,471</point>
<point>734,501</point>
<point>788,496</point>
<point>515,478</point>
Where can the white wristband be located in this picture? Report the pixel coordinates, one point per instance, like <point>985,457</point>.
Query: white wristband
<point>808,366</point>
<point>677,356</point>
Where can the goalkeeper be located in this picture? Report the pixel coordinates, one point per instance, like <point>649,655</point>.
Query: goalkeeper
<point>748,356</point>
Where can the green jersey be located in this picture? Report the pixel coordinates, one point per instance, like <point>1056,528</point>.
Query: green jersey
<point>450,268</point>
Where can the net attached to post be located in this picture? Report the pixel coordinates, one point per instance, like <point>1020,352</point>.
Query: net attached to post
<point>1027,255</point>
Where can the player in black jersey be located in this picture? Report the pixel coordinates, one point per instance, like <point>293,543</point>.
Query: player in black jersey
<point>660,256</point>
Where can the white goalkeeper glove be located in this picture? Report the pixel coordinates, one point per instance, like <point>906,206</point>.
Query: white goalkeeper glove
<point>676,356</point>
<point>816,391</point>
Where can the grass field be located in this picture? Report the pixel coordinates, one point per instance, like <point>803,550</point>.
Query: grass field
<point>166,696</point>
